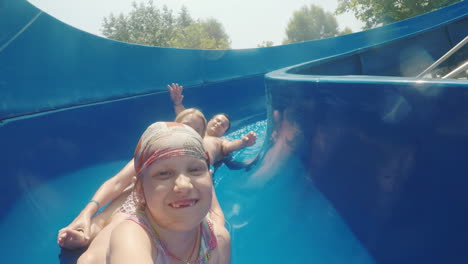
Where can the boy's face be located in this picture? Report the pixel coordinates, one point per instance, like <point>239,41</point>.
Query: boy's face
<point>217,126</point>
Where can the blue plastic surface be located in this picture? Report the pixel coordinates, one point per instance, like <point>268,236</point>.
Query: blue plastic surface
<point>55,72</point>
<point>388,153</point>
<point>361,163</point>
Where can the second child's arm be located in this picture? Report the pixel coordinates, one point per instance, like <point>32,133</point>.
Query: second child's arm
<point>175,91</point>
<point>247,140</point>
<point>108,191</point>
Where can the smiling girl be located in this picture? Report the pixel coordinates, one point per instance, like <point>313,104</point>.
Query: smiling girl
<point>178,218</point>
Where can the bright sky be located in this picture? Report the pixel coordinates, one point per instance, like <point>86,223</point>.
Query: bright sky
<point>247,22</point>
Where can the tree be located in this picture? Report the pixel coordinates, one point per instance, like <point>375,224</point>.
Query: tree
<point>148,25</point>
<point>215,33</point>
<point>202,34</point>
<point>310,23</point>
<point>345,31</point>
<point>265,44</point>
<point>145,24</point>
<point>184,19</point>
<point>380,12</point>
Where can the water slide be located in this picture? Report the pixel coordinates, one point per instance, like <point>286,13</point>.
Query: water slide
<point>359,161</point>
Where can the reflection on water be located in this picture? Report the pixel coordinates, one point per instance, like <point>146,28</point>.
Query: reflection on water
<point>390,159</point>
<point>275,212</point>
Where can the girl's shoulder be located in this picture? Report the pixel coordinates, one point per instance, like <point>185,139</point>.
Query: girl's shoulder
<point>129,241</point>
<point>130,230</point>
<point>223,249</point>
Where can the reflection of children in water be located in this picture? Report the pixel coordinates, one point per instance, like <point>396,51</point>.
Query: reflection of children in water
<point>287,132</point>
<point>362,172</point>
<point>285,138</point>
<point>392,177</point>
<point>322,144</point>
<point>362,169</point>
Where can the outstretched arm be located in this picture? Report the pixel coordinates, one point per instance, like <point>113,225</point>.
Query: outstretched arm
<point>247,140</point>
<point>107,192</point>
<point>175,91</point>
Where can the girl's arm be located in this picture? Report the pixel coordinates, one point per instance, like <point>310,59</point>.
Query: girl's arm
<point>108,191</point>
<point>216,213</point>
<point>222,234</point>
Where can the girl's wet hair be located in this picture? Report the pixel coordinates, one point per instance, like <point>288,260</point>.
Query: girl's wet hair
<point>195,112</point>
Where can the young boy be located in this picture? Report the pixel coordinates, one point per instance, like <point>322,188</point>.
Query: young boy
<point>217,147</point>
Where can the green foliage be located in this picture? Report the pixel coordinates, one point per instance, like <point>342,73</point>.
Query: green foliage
<point>380,12</point>
<point>345,31</point>
<point>148,25</point>
<point>202,34</point>
<point>145,24</point>
<point>310,23</point>
<point>184,19</point>
<point>265,44</point>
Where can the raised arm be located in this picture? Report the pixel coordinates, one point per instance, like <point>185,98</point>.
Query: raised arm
<point>247,140</point>
<point>175,91</point>
<point>108,191</point>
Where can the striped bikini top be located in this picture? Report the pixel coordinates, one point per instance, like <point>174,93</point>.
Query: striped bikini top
<point>207,245</point>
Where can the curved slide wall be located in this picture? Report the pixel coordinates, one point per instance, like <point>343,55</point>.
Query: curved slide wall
<point>387,152</point>
<point>67,97</point>
<point>47,65</point>
<point>387,149</point>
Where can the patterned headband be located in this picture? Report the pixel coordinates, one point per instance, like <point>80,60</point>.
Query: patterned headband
<point>165,140</point>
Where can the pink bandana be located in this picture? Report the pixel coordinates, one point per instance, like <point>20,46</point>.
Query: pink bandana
<point>164,140</point>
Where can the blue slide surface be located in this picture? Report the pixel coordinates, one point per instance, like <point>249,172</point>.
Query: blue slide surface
<point>359,161</point>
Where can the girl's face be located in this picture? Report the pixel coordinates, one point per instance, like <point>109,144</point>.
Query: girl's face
<point>194,122</point>
<point>178,192</point>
